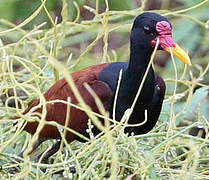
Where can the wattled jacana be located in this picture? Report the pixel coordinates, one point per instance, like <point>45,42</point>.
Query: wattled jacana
<point>103,80</point>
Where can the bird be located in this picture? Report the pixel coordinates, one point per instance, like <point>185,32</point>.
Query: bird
<point>147,28</point>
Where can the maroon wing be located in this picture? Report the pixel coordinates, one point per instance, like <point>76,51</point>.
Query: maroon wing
<point>57,111</point>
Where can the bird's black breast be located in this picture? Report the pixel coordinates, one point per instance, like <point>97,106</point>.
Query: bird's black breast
<point>128,88</point>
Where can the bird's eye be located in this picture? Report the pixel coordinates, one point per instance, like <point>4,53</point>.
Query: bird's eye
<point>147,29</point>
<point>158,87</point>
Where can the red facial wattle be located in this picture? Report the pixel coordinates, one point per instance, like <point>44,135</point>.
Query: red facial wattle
<point>164,31</point>
<point>167,43</point>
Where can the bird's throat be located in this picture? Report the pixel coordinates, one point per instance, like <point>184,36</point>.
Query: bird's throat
<point>139,60</point>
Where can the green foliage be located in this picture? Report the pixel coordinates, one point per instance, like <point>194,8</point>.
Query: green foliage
<point>18,10</point>
<point>6,10</point>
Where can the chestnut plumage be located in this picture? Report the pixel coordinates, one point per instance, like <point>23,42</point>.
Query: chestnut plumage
<point>103,80</point>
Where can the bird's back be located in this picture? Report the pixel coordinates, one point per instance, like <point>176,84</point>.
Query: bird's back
<point>56,111</point>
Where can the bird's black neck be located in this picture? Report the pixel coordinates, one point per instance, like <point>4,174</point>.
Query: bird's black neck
<point>131,80</point>
<point>139,58</point>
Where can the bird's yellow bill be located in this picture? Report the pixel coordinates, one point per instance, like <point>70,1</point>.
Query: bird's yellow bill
<point>180,53</point>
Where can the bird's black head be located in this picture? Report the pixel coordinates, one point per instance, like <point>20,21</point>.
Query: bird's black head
<point>147,28</point>
<point>144,30</point>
